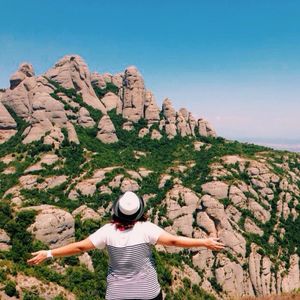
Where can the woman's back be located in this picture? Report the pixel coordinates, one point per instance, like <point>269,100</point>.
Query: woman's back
<point>131,273</point>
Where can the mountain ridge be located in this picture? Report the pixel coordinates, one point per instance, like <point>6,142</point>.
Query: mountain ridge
<point>63,162</point>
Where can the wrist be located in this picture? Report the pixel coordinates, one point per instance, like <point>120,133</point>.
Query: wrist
<point>49,254</point>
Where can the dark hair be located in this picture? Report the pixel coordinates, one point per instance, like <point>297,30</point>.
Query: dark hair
<point>123,225</point>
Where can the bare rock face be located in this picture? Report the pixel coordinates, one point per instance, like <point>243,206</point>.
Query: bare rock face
<point>85,120</point>
<point>143,132</point>
<point>86,260</point>
<point>6,120</point>
<point>205,129</point>
<point>112,101</point>
<point>151,109</point>
<point>291,281</point>
<point>7,124</point>
<point>72,73</point>
<point>155,135</point>
<point>107,131</point>
<point>251,227</point>
<point>217,189</point>
<point>18,96</point>
<point>25,70</point>
<point>4,241</point>
<point>46,291</point>
<point>52,226</point>
<point>170,118</point>
<point>230,276</point>
<point>129,185</point>
<point>86,213</point>
<point>133,94</point>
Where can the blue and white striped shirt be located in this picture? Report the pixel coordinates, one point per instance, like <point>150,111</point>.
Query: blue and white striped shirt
<point>131,272</point>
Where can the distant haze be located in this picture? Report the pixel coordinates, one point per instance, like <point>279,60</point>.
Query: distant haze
<point>234,63</point>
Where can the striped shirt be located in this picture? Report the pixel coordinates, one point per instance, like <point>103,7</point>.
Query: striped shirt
<point>131,271</point>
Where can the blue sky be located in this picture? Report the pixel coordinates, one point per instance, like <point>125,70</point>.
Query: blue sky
<point>236,63</point>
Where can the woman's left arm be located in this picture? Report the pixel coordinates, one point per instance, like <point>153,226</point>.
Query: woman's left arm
<point>68,250</point>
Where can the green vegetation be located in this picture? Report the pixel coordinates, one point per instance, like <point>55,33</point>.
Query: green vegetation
<point>158,157</point>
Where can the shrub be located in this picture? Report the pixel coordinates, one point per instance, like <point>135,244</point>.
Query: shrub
<point>10,289</point>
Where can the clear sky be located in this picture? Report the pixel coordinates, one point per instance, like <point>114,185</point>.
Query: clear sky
<point>236,63</point>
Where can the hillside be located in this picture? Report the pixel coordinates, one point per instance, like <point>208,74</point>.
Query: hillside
<point>72,141</point>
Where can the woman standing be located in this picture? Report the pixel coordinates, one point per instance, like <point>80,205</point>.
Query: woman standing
<point>128,239</point>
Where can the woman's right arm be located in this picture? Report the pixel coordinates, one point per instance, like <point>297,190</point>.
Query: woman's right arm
<point>70,249</point>
<point>167,239</point>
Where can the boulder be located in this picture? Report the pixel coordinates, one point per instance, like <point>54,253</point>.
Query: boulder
<point>155,135</point>
<point>107,131</point>
<point>4,241</point>
<point>143,132</point>
<point>86,213</point>
<point>112,101</point>
<point>86,260</point>
<point>251,227</point>
<point>53,226</point>
<point>129,185</point>
<point>84,119</point>
<point>217,189</point>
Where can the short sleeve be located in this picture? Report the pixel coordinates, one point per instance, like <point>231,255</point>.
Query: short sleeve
<point>152,232</point>
<point>99,237</point>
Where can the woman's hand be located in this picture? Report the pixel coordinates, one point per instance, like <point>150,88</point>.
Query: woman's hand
<point>213,244</point>
<point>38,258</point>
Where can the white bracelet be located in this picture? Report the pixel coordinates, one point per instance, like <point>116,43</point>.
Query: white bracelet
<point>49,254</point>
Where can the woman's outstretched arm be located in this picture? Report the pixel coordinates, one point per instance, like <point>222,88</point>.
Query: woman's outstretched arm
<point>167,239</point>
<point>70,249</point>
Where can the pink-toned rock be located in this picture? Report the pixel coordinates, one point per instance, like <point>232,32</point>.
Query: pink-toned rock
<point>85,120</point>
<point>217,189</point>
<point>151,109</point>
<point>4,240</point>
<point>133,94</point>
<point>155,135</point>
<point>205,129</point>
<point>53,226</point>
<point>86,213</point>
<point>143,132</point>
<point>107,131</point>
<point>251,227</point>
<point>71,72</point>
<point>112,101</point>
<point>129,185</point>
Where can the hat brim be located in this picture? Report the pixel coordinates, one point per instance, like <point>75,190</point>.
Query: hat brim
<point>130,218</point>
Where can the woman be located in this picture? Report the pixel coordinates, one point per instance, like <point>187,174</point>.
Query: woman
<point>128,238</point>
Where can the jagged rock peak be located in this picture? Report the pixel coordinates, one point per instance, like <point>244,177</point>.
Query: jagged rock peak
<point>133,94</point>
<point>25,70</point>
<point>72,72</point>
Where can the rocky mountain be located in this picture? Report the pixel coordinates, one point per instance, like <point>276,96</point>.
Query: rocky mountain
<point>72,141</point>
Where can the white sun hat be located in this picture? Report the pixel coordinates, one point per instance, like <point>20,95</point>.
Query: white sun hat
<point>129,207</point>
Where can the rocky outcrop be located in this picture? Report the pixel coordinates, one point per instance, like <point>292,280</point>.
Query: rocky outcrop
<point>18,96</point>
<point>52,226</point>
<point>71,72</point>
<point>85,119</point>
<point>49,108</point>
<point>217,189</point>
<point>205,128</point>
<point>133,94</point>
<point>112,101</point>
<point>107,132</point>
<point>4,241</point>
<point>86,213</point>
<point>45,290</point>
<point>8,125</point>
